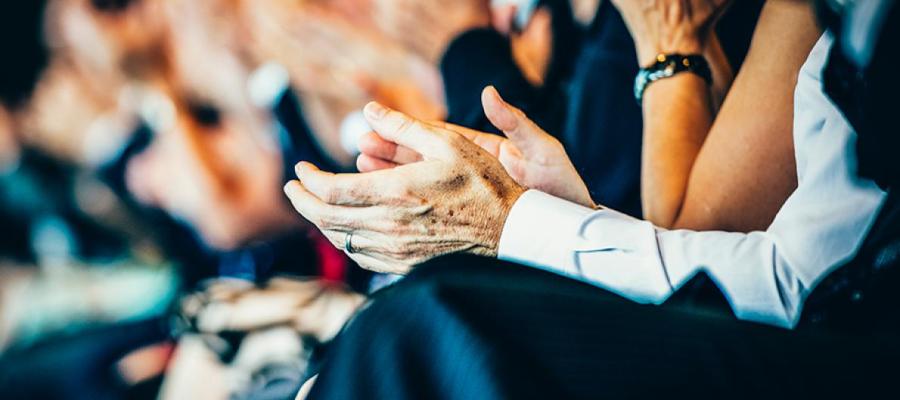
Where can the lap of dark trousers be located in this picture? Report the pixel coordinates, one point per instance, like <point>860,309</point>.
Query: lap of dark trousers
<point>466,327</point>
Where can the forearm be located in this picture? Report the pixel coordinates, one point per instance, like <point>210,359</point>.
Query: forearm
<point>750,143</point>
<point>677,117</point>
<point>677,110</point>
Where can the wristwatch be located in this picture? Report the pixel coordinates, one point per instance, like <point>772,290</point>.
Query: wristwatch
<point>667,66</point>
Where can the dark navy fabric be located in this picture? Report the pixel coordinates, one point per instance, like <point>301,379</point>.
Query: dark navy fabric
<point>603,128</point>
<point>863,296</point>
<point>474,328</point>
<point>483,57</point>
<point>79,366</point>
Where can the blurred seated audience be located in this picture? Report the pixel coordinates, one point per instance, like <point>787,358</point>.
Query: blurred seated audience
<point>201,148</point>
<point>148,250</point>
<point>209,142</point>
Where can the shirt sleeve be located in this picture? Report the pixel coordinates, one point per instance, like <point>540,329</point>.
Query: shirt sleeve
<point>638,261</point>
<point>602,247</point>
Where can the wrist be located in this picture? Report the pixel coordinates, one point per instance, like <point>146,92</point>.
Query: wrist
<point>647,55</point>
<point>667,66</point>
<point>495,229</point>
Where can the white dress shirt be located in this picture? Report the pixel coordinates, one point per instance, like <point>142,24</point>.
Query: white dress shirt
<point>764,275</point>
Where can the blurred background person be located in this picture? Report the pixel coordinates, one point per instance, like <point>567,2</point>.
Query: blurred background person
<point>77,291</point>
<point>147,163</point>
<point>150,106</point>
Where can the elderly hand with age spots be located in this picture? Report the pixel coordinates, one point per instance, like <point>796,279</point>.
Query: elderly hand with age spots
<point>454,198</point>
<point>534,158</point>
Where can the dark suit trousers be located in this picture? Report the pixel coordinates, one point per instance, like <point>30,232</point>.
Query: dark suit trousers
<point>472,328</point>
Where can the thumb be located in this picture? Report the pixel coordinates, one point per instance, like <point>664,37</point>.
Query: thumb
<point>523,132</point>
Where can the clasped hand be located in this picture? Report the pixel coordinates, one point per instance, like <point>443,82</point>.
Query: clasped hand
<point>429,189</point>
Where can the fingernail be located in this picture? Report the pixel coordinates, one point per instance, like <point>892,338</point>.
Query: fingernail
<point>375,111</point>
<point>499,98</point>
<point>298,169</point>
<point>289,187</point>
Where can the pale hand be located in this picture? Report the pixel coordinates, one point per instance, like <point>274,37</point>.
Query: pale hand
<point>534,158</point>
<point>456,199</point>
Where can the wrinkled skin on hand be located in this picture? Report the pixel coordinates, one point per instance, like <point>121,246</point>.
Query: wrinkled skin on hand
<point>455,199</point>
<point>534,158</point>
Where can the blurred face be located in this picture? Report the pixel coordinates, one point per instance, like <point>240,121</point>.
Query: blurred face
<point>532,47</point>
<point>75,112</point>
<point>337,61</point>
<point>67,117</point>
<point>214,162</point>
<point>532,44</point>
<point>107,38</point>
<point>212,169</point>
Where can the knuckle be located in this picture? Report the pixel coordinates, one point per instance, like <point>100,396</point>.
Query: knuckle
<point>519,114</point>
<point>395,191</point>
<point>404,125</point>
<point>329,195</point>
<point>342,193</point>
<point>330,220</point>
<point>396,227</point>
<point>385,226</point>
<point>323,222</point>
<point>454,139</point>
<point>392,249</point>
<point>398,250</point>
<point>315,220</point>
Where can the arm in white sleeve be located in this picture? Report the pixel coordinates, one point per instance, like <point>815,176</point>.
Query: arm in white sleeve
<point>604,247</point>
<point>632,258</point>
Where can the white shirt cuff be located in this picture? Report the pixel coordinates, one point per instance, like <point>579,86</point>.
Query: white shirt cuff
<point>601,247</point>
<point>537,230</point>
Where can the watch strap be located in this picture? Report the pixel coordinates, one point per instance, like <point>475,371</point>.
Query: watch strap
<point>667,66</point>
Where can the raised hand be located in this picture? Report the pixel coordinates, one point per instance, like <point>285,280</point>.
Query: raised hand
<point>456,199</point>
<point>531,156</point>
